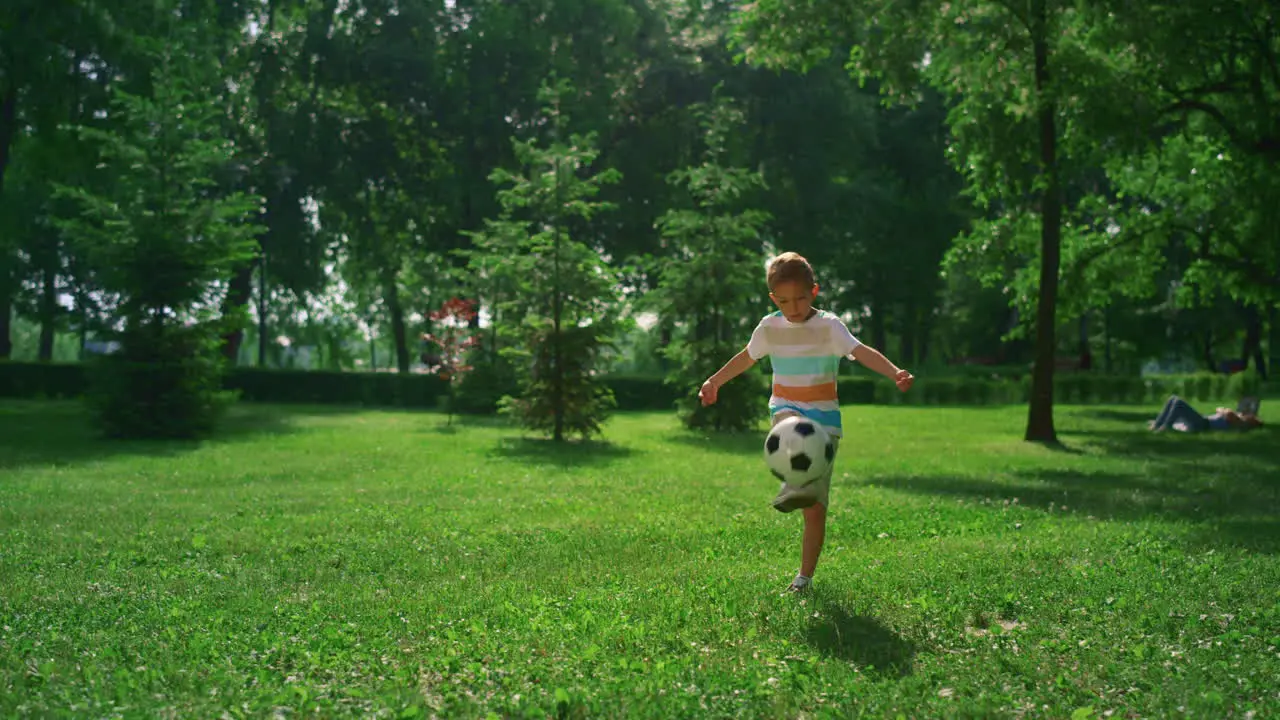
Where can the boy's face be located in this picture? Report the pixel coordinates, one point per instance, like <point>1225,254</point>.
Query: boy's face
<point>794,300</point>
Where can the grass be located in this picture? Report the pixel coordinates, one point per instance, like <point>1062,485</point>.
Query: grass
<point>358,563</point>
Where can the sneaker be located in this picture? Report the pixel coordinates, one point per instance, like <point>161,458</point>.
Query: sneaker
<point>793,498</point>
<point>800,584</point>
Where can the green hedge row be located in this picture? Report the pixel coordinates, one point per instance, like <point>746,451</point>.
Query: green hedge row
<point>47,380</point>
<point>1068,388</point>
<point>62,380</point>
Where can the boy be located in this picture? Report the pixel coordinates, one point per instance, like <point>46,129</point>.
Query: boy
<point>806,345</point>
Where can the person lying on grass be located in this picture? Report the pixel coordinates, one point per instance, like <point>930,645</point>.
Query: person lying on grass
<point>1178,414</point>
<point>806,345</point>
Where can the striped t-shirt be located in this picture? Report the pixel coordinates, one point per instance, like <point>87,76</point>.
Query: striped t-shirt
<point>806,357</point>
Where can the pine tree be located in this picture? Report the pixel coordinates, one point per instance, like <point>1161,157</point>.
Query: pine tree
<point>561,297</point>
<point>712,278</point>
<point>160,235</point>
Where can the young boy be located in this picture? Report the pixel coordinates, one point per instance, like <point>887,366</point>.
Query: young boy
<point>806,345</point>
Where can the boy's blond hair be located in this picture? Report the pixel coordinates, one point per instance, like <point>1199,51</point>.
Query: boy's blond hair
<point>789,267</point>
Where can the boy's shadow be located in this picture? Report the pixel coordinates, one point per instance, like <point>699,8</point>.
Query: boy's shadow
<point>859,639</point>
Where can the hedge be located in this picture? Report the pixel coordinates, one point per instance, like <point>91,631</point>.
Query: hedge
<point>639,392</point>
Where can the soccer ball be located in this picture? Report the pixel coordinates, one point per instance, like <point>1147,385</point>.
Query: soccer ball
<point>798,451</point>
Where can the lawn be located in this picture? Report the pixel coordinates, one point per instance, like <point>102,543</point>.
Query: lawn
<point>337,562</point>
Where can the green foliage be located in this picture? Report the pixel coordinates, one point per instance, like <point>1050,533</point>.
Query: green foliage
<point>561,394</point>
<point>324,387</point>
<point>159,232</point>
<point>41,380</point>
<point>481,390</point>
<point>166,382</point>
<point>712,280</point>
<point>1211,209</point>
<point>561,300</point>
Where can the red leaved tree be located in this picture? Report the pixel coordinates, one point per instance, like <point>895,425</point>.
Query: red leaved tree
<point>452,340</point>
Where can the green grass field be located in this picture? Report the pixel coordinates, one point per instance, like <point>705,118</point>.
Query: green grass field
<point>355,563</point>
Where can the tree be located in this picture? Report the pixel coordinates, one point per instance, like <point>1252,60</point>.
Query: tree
<point>160,235</point>
<point>49,55</point>
<point>1026,84</point>
<point>711,276</point>
<point>562,297</point>
<point>448,348</point>
<point>286,124</point>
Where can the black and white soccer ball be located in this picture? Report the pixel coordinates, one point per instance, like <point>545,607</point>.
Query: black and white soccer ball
<point>798,450</point>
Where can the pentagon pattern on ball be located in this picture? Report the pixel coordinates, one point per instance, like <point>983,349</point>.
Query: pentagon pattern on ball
<point>798,450</point>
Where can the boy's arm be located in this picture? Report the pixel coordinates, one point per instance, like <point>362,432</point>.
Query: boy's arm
<point>737,365</point>
<point>875,360</point>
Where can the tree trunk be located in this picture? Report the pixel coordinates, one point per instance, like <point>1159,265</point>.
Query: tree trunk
<point>878,339</point>
<point>1273,324</point>
<point>557,386</point>
<point>238,293</point>
<point>399,333</point>
<point>1106,335</point>
<point>923,344</point>
<point>48,304</point>
<point>664,341</point>
<point>907,337</point>
<point>1086,358</point>
<point>6,319</point>
<point>1206,351</point>
<point>1252,348</point>
<point>1040,413</point>
<point>262,306</point>
<point>8,125</point>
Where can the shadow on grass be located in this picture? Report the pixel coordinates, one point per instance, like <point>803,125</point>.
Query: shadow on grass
<point>749,442</point>
<point>1234,508</point>
<point>446,426</point>
<point>1058,446</point>
<point>858,639</point>
<point>62,433</point>
<point>567,454</point>
<point>1136,417</point>
<point>1260,446</point>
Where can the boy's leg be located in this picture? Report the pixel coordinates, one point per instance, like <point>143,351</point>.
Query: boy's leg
<point>792,498</point>
<point>815,528</point>
<point>815,533</point>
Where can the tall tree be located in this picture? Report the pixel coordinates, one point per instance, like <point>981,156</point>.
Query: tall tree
<point>283,62</point>
<point>161,236</point>
<point>1020,79</point>
<point>563,299</point>
<point>47,51</point>
<point>711,279</point>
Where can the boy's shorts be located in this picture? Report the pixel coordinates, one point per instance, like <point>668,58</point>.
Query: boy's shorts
<point>820,487</point>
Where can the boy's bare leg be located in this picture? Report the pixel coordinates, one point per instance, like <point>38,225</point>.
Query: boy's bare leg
<point>815,532</point>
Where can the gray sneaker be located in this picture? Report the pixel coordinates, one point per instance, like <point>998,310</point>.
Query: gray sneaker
<point>795,498</point>
<point>800,584</point>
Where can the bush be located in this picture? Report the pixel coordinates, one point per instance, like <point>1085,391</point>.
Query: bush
<point>337,388</point>
<point>483,387</point>
<point>560,395</point>
<point>479,392</point>
<point>165,383</point>
<point>645,392</point>
<point>42,380</point>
